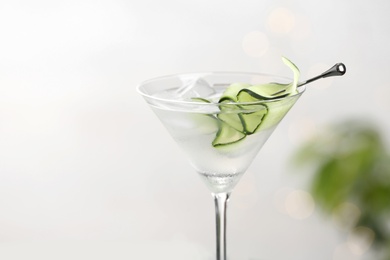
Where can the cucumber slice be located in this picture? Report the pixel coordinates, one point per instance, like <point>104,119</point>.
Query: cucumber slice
<point>258,93</point>
<point>230,94</point>
<point>272,90</point>
<point>235,122</point>
<point>268,91</point>
<point>228,114</point>
<point>292,89</point>
<point>201,100</point>
<point>227,135</point>
<point>253,120</point>
<point>245,122</point>
<point>275,110</point>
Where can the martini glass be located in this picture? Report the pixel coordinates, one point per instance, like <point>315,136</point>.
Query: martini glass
<point>188,106</point>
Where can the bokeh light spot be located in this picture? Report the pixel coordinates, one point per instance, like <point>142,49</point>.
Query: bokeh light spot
<point>360,240</point>
<point>299,204</point>
<point>346,215</point>
<point>343,252</point>
<point>255,44</point>
<point>281,20</point>
<point>302,28</point>
<point>279,199</point>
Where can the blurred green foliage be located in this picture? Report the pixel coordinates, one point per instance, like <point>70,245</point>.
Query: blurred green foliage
<point>351,165</point>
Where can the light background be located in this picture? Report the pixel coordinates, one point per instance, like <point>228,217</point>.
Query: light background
<point>88,172</point>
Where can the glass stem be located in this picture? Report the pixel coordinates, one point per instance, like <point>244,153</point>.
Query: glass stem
<point>221,200</point>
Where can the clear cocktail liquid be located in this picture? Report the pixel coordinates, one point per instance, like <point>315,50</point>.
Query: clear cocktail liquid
<point>194,130</point>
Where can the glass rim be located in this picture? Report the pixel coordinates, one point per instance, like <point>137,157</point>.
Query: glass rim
<point>300,89</point>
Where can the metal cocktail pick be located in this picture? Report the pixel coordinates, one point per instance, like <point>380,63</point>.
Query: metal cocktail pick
<point>338,69</point>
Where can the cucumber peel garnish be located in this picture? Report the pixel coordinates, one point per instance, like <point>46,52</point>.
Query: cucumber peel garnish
<point>249,117</point>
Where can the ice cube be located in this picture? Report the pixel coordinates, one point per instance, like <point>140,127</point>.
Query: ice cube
<point>190,87</point>
<point>194,87</point>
